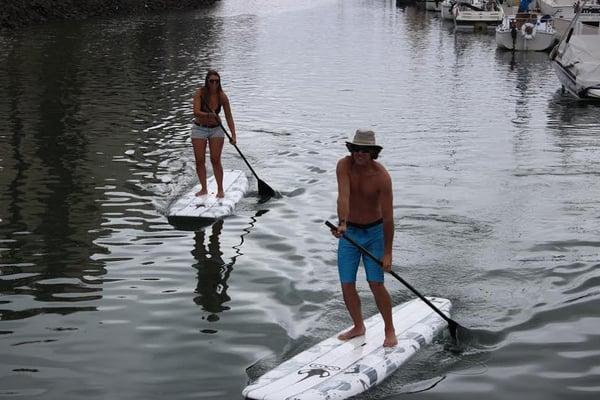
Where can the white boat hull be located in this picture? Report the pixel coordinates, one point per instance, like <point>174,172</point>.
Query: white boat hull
<point>526,32</point>
<point>569,83</point>
<point>557,8</point>
<point>478,20</point>
<point>576,62</point>
<point>477,15</point>
<point>541,42</point>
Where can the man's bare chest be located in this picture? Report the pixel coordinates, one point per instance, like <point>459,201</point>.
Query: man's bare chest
<point>364,185</point>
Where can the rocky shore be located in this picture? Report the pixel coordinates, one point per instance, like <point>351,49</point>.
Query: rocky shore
<point>19,13</point>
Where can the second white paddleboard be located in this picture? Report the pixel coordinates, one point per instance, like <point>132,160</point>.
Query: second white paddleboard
<point>209,207</point>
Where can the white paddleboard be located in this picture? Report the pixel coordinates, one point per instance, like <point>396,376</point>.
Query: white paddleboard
<point>335,369</point>
<point>209,207</point>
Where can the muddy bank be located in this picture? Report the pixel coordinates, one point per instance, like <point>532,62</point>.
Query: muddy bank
<point>19,13</point>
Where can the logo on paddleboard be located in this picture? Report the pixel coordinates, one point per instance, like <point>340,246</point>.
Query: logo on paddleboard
<point>318,370</point>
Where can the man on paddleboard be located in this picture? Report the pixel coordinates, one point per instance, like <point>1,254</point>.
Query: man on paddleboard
<point>366,215</point>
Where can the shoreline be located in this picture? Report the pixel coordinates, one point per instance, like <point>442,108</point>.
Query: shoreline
<point>19,14</point>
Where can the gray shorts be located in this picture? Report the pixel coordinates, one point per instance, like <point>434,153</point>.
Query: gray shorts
<point>204,132</point>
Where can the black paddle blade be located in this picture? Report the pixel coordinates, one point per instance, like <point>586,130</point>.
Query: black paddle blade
<point>453,327</point>
<point>467,339</point>
<point>265,192</point>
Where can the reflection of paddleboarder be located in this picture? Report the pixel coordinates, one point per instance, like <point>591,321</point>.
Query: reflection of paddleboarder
<point>213,272</point>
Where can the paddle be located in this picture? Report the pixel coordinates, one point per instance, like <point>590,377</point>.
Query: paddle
<point>453,326</point>
<point>264,191</point>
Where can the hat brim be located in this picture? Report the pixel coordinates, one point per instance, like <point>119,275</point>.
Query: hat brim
<point>370,146</point>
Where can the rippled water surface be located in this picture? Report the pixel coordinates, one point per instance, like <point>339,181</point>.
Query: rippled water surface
<point>496,179</point>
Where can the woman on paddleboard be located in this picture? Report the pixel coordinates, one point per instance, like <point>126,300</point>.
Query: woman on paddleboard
<point>207,129</point>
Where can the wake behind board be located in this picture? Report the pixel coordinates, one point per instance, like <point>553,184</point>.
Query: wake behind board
<point>209,208</point>
<point>335,369</point>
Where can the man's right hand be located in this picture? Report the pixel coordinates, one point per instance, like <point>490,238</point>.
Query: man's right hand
<point>339,231</point>
<point>386,262</point>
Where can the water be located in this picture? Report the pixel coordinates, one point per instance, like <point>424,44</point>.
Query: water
<point>496,182</point>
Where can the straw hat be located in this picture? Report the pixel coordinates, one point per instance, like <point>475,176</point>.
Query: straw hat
<point>364,138</point>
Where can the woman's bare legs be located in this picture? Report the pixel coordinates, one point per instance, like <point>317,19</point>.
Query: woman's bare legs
<point>216,148</point>
<point>200,155</point>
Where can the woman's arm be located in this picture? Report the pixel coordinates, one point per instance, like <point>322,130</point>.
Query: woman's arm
<point>229,117</point>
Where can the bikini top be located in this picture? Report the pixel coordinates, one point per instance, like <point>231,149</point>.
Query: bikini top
<point>203,106</point>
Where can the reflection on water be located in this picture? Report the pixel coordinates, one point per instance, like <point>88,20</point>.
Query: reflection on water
<point>213,272</point>
<point>48,196</point>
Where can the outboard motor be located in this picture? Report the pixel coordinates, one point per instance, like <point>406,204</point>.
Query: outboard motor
<point>513,34</point>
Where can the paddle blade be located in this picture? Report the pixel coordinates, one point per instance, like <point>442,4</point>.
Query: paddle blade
<point>453,327</point>
<point>265,191</point>
<point>464,339</point>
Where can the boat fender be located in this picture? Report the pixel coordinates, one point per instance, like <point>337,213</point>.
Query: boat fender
<point>528,30</point>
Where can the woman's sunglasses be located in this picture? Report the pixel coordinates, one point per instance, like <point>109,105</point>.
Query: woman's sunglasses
<point>213,81</point>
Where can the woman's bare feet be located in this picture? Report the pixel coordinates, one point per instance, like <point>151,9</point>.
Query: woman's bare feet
<point>352,333</point>
<point>390,339</point>
<point>220,194</point>
<point>201,193</point>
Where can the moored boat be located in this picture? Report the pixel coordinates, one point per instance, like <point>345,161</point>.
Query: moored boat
<point>478,15</point>
<point>526,32</point>
<point>566,9</point>
<point>576,61</point>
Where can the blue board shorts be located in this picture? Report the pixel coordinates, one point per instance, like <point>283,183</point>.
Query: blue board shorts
<point>205,132</point>
<point>349,256</point>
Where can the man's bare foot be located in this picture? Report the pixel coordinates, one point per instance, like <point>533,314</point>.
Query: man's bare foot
<point>220,194</point>
<point>352,333</point>
<point>390,339</point>
<point>202,192</point>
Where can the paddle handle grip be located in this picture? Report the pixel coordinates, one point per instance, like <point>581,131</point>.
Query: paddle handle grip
<point>330,225</point>
<point>395,275</point>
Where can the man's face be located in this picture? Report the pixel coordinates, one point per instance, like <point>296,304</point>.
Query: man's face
<point>360,154</point>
